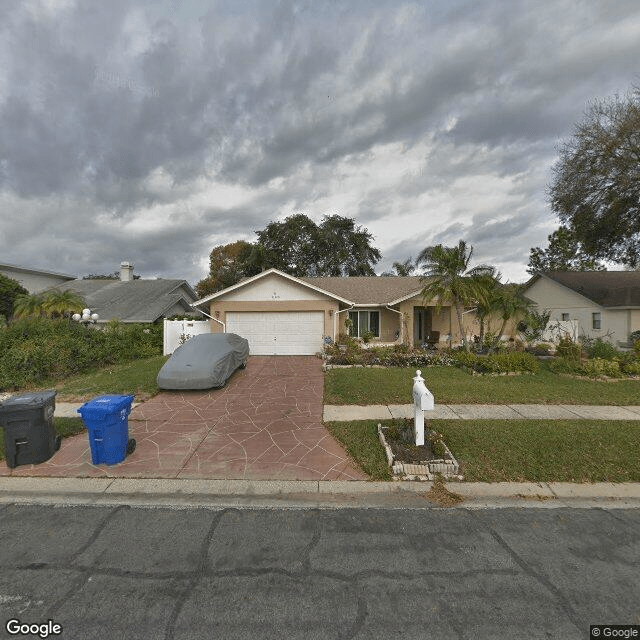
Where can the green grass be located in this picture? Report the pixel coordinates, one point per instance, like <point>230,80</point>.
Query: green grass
<point>517,450</point>
<point>360,439</point>
<point>137,378</point>
<point>451,385</point>
<point>65,427</point>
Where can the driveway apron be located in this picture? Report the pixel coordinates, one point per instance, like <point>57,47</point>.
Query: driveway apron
<point>266,424</point>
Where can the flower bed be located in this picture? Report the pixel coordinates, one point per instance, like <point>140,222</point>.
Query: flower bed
<point>409,461</point>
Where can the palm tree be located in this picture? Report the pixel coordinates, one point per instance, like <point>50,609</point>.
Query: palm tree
<point>448,278</point>
<point>510,304</point>
<point>58,303</point>
<point>404,268</point>
<point>28,305</point>
<point>488,294</point>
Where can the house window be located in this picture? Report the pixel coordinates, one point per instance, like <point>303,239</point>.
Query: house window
<point>363,321</point>
<point>565,317</point>
<point>596,320</point>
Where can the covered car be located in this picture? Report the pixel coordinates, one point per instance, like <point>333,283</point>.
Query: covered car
<point>204,361</point>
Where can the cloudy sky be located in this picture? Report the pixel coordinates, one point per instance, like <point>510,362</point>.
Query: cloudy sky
<point>152,131</point>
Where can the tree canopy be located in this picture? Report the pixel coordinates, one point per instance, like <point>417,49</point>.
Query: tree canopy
<point>53,304</point>
<point>298,246</point>
<point>449,278</point>
<point>596,185</point>
<point>335,247</point>
<point>564,253</point>
<point>404,268</point>
<point>228,264</point>
<point>10,289</point>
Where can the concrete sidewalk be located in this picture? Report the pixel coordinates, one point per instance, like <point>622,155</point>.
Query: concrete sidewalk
<point>345,413</point>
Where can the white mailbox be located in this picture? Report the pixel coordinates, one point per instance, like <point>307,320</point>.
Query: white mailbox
<point>422,401</point>
<point>422,397</point>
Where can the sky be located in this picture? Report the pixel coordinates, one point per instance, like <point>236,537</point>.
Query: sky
<point>151,131</point>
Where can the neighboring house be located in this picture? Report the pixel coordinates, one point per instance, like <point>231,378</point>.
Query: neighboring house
<point>283,315</point>
<point>597,304</point>
<point>134,300</point>
<point>34,280</point>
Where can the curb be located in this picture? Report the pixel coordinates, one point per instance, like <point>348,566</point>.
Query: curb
<point>185,493</point>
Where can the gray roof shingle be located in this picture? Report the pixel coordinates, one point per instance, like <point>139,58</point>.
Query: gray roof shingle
<point>134,301</point>
<point>370,289</point>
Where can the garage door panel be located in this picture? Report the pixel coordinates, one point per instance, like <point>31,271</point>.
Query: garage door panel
<point>279,333</point>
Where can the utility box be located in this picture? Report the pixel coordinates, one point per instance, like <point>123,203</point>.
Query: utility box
<point>107,422</point>
<point>29,433</point>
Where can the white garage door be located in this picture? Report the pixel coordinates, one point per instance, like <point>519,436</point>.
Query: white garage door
<point>281,333</point>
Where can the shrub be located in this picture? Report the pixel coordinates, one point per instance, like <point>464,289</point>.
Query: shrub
<point>541,349</point>
<point>368,336</point>
<point>597,367</point>
<point>567,348</point>
<point>600,348</point>
<point>465,358</point>
<point>507,363</point>
<point>631,368</point>
<point>34,349</point>
<point>565,365</point>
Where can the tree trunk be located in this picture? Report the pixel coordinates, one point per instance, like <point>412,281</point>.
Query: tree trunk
<point>463,335</point>
<point>497,339</point>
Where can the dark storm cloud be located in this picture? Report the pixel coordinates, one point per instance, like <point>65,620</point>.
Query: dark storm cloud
<point>119,121</point>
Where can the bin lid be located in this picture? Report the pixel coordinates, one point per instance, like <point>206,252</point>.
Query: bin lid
<point>29,400</point>
<point>105,405</point>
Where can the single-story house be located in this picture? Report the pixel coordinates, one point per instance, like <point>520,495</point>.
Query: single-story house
<point>597,304</point>
<point>134,300</point>
<point>34,280</point>
<point>284,315</point>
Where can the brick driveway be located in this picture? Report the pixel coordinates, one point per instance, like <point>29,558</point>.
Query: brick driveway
<point>266,424</point>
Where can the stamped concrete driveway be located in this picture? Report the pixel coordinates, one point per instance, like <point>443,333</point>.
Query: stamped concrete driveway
<point>266,424</point>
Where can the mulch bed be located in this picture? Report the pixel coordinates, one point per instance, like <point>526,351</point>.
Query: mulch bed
<point>404,448</point>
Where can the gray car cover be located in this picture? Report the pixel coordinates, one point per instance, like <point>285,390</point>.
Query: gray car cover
<point>204,361</point>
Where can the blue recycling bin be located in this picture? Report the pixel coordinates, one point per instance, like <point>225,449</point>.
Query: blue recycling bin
<point>107,421</point>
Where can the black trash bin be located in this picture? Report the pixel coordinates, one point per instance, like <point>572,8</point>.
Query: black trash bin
<point>29,433</point>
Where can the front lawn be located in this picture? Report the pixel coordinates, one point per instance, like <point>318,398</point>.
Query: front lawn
<point>516,450</point>
<point>136,377</point>
<point>450,385</point>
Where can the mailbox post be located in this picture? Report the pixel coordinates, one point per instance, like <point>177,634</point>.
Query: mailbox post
<point>422,401</point>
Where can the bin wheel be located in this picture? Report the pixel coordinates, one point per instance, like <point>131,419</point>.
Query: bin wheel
<point>131,446</point>
<point>58,443</point>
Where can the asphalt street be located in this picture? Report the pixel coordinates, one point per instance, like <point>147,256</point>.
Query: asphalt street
<point>186,573</point>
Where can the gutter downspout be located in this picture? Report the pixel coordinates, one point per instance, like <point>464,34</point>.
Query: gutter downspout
<point>224,327</point>
<point>401,322</point>
<point>335,319</point>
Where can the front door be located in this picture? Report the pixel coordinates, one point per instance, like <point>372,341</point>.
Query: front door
<point>421,324</point>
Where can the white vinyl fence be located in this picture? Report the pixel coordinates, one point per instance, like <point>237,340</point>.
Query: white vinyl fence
<point>177,332</point>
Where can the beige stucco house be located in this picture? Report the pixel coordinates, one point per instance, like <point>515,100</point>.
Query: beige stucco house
<point>598,304</point>
<point>283,315</point>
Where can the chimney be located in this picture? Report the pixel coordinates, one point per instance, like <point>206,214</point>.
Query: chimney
<point>126,272</point>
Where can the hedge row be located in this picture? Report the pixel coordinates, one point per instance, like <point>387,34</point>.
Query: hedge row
<point>34,349</point>
<point>396,357</point>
